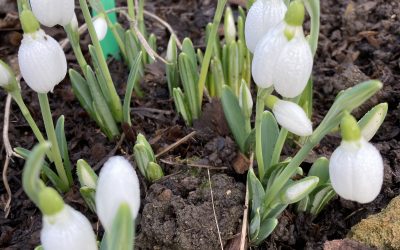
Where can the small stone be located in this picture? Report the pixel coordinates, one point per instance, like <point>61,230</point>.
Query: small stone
<point>381,230</point>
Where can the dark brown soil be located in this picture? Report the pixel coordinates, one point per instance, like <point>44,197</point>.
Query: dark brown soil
<point>359,40</point>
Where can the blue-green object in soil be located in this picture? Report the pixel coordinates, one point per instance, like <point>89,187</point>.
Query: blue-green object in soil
<point>109,44</point>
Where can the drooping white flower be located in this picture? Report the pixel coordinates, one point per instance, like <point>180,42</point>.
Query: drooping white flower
<point>292,117</point>
<point>100,25</point>
<point>117,183</point>
<point>5,76</point>
<point>262,16</point>
<point>283,57</point>
<point>42,61</point>
<point>66,230</point>
<point>53,12</point>
<point>356,171</point>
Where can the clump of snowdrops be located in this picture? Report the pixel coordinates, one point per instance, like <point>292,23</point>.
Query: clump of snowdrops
<point>269,44</point>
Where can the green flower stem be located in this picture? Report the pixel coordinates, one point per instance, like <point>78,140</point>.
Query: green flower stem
<point>207,56</point>
<point>73,37</point>
<point>261,94</point>
<point>28,117</point>
<point>313,9</point>
<point>23,4</point>
<point>131,9</point>
<point>279,146</point>
<point>51,134</point>
<point>116,106</point>
<point>30,177</point>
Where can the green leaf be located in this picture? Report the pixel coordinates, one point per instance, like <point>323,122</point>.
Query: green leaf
<point>153,44</point>
<point>133,79</point>
<point>235,117</point>
<point>89,195</point>
<point>101,79</point>
<point>276,211</point>
<point>321,199</point>
<point>81,91</point>
<point>142,158</point>
<point>218,74</point>
<point>62,143</point>
<point>254,227</point>
<point>302,205</point>
<point>182,106</point>
<point>269,135</point>
<point>256,192</point>
<point>266,228</point>
<point>320,168</point>
<point>172,68</point>
<point>189,76</point>
<point>122,232</point>
<point>154,172</point>
<point>233,67</point>
<point>188,49</point>
<point>101,106</point>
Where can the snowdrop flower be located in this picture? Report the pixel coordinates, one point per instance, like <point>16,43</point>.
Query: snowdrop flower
<point>283,57</point>
<point>100,25</point>
<point>41,59</point>
<point>53,12</point>
<point>356,166</point>
<point>262,16</point>
<point>64,228</point>
<point>5,76</point>
<point>290,116</point>
<point>117,183</point>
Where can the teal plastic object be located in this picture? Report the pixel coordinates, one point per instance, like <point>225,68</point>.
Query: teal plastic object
<point>109,44</point>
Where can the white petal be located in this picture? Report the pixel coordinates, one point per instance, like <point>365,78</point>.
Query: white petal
<point>356,171</point>
<point>265,56</point>
<point>293,67</point>
<point>263,15</point>
<point>42,61</point>
<point>67,230</point>
<point>100,25</point>
<point>117,183</point>
<point>53,12</point>
<point>5,77</point>
<point>292,117</point>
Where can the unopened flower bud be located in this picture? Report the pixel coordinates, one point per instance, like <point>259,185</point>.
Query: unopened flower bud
<point>117,184</point>
<point>100,25</point>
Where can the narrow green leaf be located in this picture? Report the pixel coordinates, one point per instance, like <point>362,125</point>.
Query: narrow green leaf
<point>172,68</point>
<point>132,80</point>
<point>81,91</point>
<point>182,106</point>
<point>100,104</point>
<point>266,228</point>
<point>269,134</point>
<point>62,143</point>
<point>188,49</point>
<point>101,80</point>
<point>234,116</point>
<point>218,74</point>
<point>89,195</point>
<point>254,227</point>
<point>320,168</point>
<point>153,44</point>
<point>321,199</point>
<point>122,233</point>
<point>189,77</point>
<point>233,67</point>
<point>87,177</point>
<point>256,192</point>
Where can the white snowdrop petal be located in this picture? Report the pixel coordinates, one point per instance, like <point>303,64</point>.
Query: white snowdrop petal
<point>67,230</point>
<point>262,16</point>
<point>293,67</point>
<point>265,56</point>
<point>100,25</point>
<point>356,171</point>
<point>292,117</point>
<point>42,61</point>
<point>117,183</point>
<point>53,12</point>
<point>5,77</point>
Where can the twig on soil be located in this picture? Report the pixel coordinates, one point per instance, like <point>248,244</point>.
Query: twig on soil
<point>112,152</point>
<point>245,212</point>
<point>168,162</point>
<point>215,214</point>
<point>9,153</point>
<point>176,144</point>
